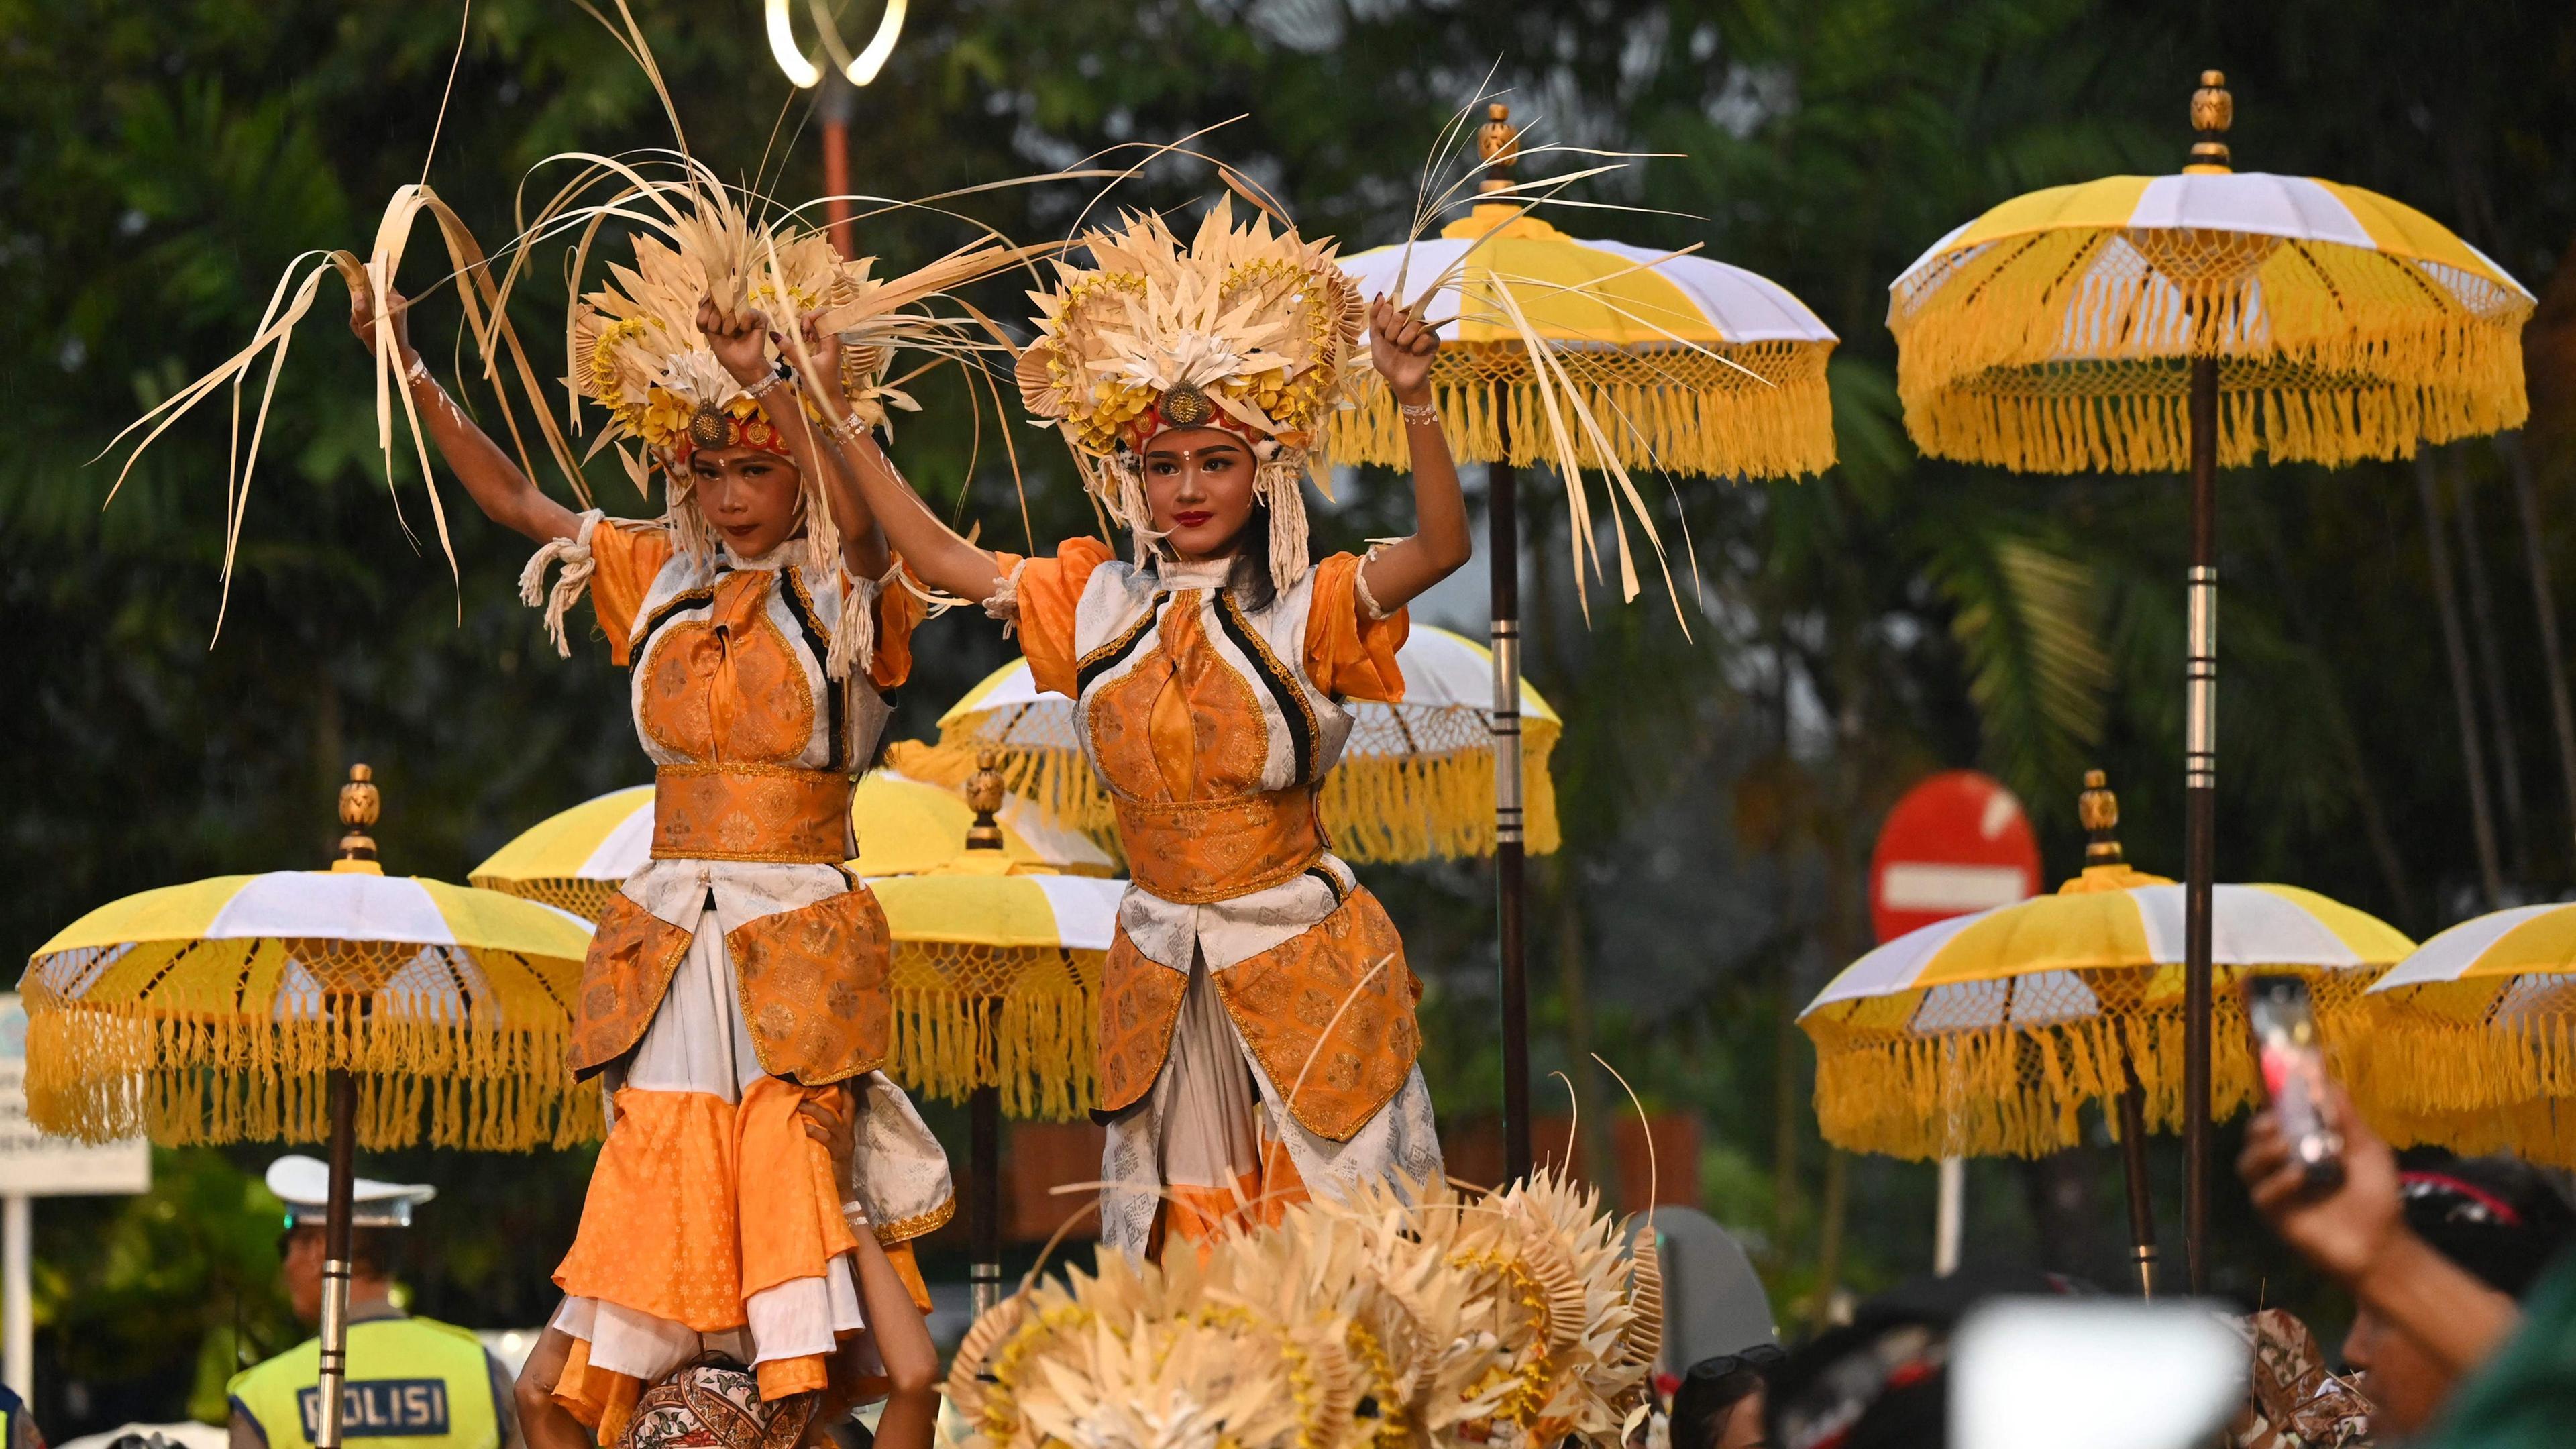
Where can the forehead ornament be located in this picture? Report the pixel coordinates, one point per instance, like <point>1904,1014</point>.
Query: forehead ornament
<point>1186,407</point>
<point>707,426</point>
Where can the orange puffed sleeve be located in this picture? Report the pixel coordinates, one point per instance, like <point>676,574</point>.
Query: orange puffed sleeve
<point>624,558</point>
<point>1049,590</point>
<point>899,609</point>
<point>1348,654</point>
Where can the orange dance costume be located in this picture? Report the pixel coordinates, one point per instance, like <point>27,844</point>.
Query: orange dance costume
<point>1257,1032</point>
<point>743,970</point>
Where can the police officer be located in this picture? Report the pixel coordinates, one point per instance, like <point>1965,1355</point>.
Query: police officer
<point>414,1383</point>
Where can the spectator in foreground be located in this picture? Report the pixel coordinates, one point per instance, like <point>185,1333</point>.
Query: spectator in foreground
<point>1719,1405</point>
<point>2434,1258</point>
<point>1882,1380</point>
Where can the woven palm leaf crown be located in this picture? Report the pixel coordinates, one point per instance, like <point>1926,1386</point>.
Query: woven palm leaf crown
<point>636,350</point>
<point>1246,329</point>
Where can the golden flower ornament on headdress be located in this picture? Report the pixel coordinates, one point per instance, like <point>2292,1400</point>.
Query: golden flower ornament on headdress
<point>1245,329</point>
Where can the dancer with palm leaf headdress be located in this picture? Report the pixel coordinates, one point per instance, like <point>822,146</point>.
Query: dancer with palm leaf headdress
<point>1257,1033</point>
<point>740,978</point>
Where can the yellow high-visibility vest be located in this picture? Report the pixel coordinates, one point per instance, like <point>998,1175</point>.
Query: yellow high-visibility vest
<point>414,1383</point>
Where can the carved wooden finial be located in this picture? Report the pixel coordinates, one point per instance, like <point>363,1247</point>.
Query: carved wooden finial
<point>1498,145</point>
<point>2099,810</point>
<point>984,797</point>
<point>360,803</point>
<point>2213,111</point>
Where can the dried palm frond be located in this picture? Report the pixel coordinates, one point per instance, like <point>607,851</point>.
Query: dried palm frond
<point>1402,1316</point>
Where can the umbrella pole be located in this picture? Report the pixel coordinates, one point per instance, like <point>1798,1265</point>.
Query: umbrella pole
<point>343,1103</point>
<point>1503,548</point>
<point>2133,1161</point>
<point>2200,814</point>
<point>984,1215</point>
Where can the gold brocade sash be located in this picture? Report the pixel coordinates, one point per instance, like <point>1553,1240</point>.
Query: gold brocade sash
<point>751,812</point>
<point>1197,851</point>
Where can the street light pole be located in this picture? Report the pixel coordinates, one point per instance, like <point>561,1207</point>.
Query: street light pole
<point>838,100</point>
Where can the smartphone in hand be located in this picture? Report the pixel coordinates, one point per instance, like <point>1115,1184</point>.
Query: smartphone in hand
<point>2293,1066</point>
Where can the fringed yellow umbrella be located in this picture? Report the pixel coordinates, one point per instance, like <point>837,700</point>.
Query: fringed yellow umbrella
<point>344,1005</point>
<point>2471,1041</point>
<point>212,1012</point>
<point>1576,353</point>
<point>1415,781</point>
<point>997,981</point>
<point>997,968</point>
<point>576,858</point>
<point>1988,1033</point>
<point>2146,324</point>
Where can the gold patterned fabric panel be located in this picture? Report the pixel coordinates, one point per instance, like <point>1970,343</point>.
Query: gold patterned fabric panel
<point>813,984</point>
<point>754,813</point>
<point>1183,723</point>
<point>632,956</point>
<point>1140,1003</point>
<point>1284,1000</point>
<point>1199,851</point>
<point>729,687</point>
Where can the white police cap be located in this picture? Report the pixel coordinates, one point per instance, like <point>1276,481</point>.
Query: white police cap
<point>304,1185</point>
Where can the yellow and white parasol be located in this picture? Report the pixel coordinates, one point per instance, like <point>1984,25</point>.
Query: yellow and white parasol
<point>997,981</point>
<point>1987,1033</point>
<point>576,858</point>
<point>1650,333</point>
<point>2052,333</point>
<point>1415,782</point>
<point>2471,1041</point>
<point>211,1012</point>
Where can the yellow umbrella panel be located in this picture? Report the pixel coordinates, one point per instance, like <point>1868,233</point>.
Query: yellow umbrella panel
<point>2471,1041</point>
<point>1988,1033</point>
<point>1415,780</point>
<point>577,858</point>
<point>210,1012</point>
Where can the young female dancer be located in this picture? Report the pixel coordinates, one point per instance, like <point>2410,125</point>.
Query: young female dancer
<point>740,976</point>
<point>1257,1031</point>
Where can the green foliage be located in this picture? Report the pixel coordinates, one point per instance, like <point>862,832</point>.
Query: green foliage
<point>185,1274</point>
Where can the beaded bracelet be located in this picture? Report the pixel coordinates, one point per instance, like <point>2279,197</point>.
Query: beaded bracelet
<point>761,389</point>
<point>1419,412</point>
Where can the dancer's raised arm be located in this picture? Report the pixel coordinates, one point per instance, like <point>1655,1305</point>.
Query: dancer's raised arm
<point>931,547</point>
<point>738,344</point>
<point>496,484</point>
<point>1401,347</point>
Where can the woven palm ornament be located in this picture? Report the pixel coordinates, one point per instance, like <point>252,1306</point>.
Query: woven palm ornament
<point>1396,1318</point>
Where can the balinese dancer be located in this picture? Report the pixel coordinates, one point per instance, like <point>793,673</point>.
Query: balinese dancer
<point>1257,1031</point>
<point>740,976</point>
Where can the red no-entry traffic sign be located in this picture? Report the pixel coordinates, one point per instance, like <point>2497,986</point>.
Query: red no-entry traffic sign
<point>1956,843</point>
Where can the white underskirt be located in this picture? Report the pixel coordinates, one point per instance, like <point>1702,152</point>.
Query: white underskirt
<point>699,1043</point>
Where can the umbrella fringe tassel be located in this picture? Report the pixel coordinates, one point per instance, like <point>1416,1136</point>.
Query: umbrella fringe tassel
<point>1376,808</point>
<point>2437,1065</point>
<point>1020,1019</point>
<point>1665,408</point>
<point>2016,1090</point>
<point>98,1073</point>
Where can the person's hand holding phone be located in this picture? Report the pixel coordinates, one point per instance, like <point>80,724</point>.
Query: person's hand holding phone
<point>2345,1229</point>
